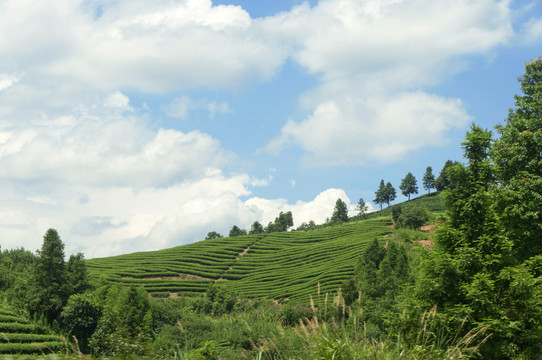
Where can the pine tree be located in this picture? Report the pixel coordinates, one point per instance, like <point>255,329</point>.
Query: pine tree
<point>409,185</point>
<point>429,179</point>
<point>340,213</point>
<point>380,194</point>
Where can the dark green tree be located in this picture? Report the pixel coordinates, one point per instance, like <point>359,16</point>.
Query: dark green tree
<point>80,318</point>
<point>389,193</point>
<point>443,181</point>
<point>236,231</point>
<point>396,212</point>
<point>77,277</point>
<point>412,217</point>
<point>213,235</point>
<point>49,278</point>
<point>380,194</point>
<point>256,228</point>
<point>282,222</point>
<point>340,213</point>
<point>409,185</point>
<point>428,179</point>
<point>518,158</point>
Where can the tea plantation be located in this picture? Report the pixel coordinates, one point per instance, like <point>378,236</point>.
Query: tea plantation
<point>282,265</point>
<point>20,336</point>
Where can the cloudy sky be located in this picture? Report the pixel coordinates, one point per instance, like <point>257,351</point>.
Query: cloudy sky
<point>134,125</point>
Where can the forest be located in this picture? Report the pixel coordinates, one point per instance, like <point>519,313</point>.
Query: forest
<point>356,288</point>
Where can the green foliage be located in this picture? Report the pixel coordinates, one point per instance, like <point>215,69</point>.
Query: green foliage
<point>389,193</point>
<point>362,208</point>
<point>519,166</point>
<point>409,185</point>
<point>49,277</point>
<point>256,228</point>
<point>77,277</point>
<point>306,226</point>
<point>291,314</point>
<point>442,182</point>
<point>380,194</point>
<point>396,212</point>
<point>412,218</point>
<point>80,318</point>
<point>340,212</point>
<point>429,179</point>
<point>236,231</point>
<point>379,278</point>
<point>213,235</point>
<point>282,223</point>
<point>217,301</point>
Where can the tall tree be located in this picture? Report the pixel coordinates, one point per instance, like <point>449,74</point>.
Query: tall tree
<point>282,222</point>
<point>362,208</point>
<point>256,228</point>
<point>213,235</point>
<point>518,158</point>
<point>340,213</point>
<point>429,179</point>
<point>409,185</point>
<point>389,193</point>
<point>380,194</point>
<point>236,231</point>
<point>443,181</point>
<point>49,277</point>
<point>77,277</point>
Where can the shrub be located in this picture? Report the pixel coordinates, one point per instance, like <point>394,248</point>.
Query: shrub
<point>412,217</point>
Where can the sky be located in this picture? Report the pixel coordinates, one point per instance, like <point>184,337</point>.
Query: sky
<point>135,125</point>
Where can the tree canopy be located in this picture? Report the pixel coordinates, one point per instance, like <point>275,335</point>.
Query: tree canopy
<point>409,185</point>
<point>428,179</point>
<point>340,213</point>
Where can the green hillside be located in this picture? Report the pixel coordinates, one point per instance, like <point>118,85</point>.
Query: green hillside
<point>281,265</point>
<point>20,336</point>
<point>432,202</point>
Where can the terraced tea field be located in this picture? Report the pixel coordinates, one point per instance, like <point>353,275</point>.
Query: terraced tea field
<point>278,265</point>
<point>432,202</point>
<point>20,336</point>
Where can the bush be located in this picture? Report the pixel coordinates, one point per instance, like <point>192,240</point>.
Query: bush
<point>412,217</point>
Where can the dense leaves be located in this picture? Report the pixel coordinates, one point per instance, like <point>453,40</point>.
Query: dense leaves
<point>340,213</point>
<point>409,185</point>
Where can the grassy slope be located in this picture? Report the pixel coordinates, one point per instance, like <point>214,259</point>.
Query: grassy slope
<point>20,336</point>
<point>278,265</point>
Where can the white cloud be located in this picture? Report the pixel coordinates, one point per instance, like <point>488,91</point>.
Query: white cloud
<point>6,80</point>
<point>149,46</point>
<point>357,131</point>
<point>533,30</point>
<point>118,100</point>
<point>374,59</point>
<point>181,106</point>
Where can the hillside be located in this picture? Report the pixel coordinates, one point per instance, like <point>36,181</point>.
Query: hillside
<point>21,336</point>
<point>282,265</point>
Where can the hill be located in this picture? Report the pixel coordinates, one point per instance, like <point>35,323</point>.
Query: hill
<point>283,265</point>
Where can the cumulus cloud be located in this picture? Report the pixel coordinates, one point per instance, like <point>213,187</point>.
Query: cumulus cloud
<point>356,131</point>
<point>374,59</point>
<point>317,210</point>
<point>158,46</point>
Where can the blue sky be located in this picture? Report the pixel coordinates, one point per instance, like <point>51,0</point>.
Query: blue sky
<point>136,125</point>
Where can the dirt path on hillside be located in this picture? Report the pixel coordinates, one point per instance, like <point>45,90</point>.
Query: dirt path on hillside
<point>239,256</point>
